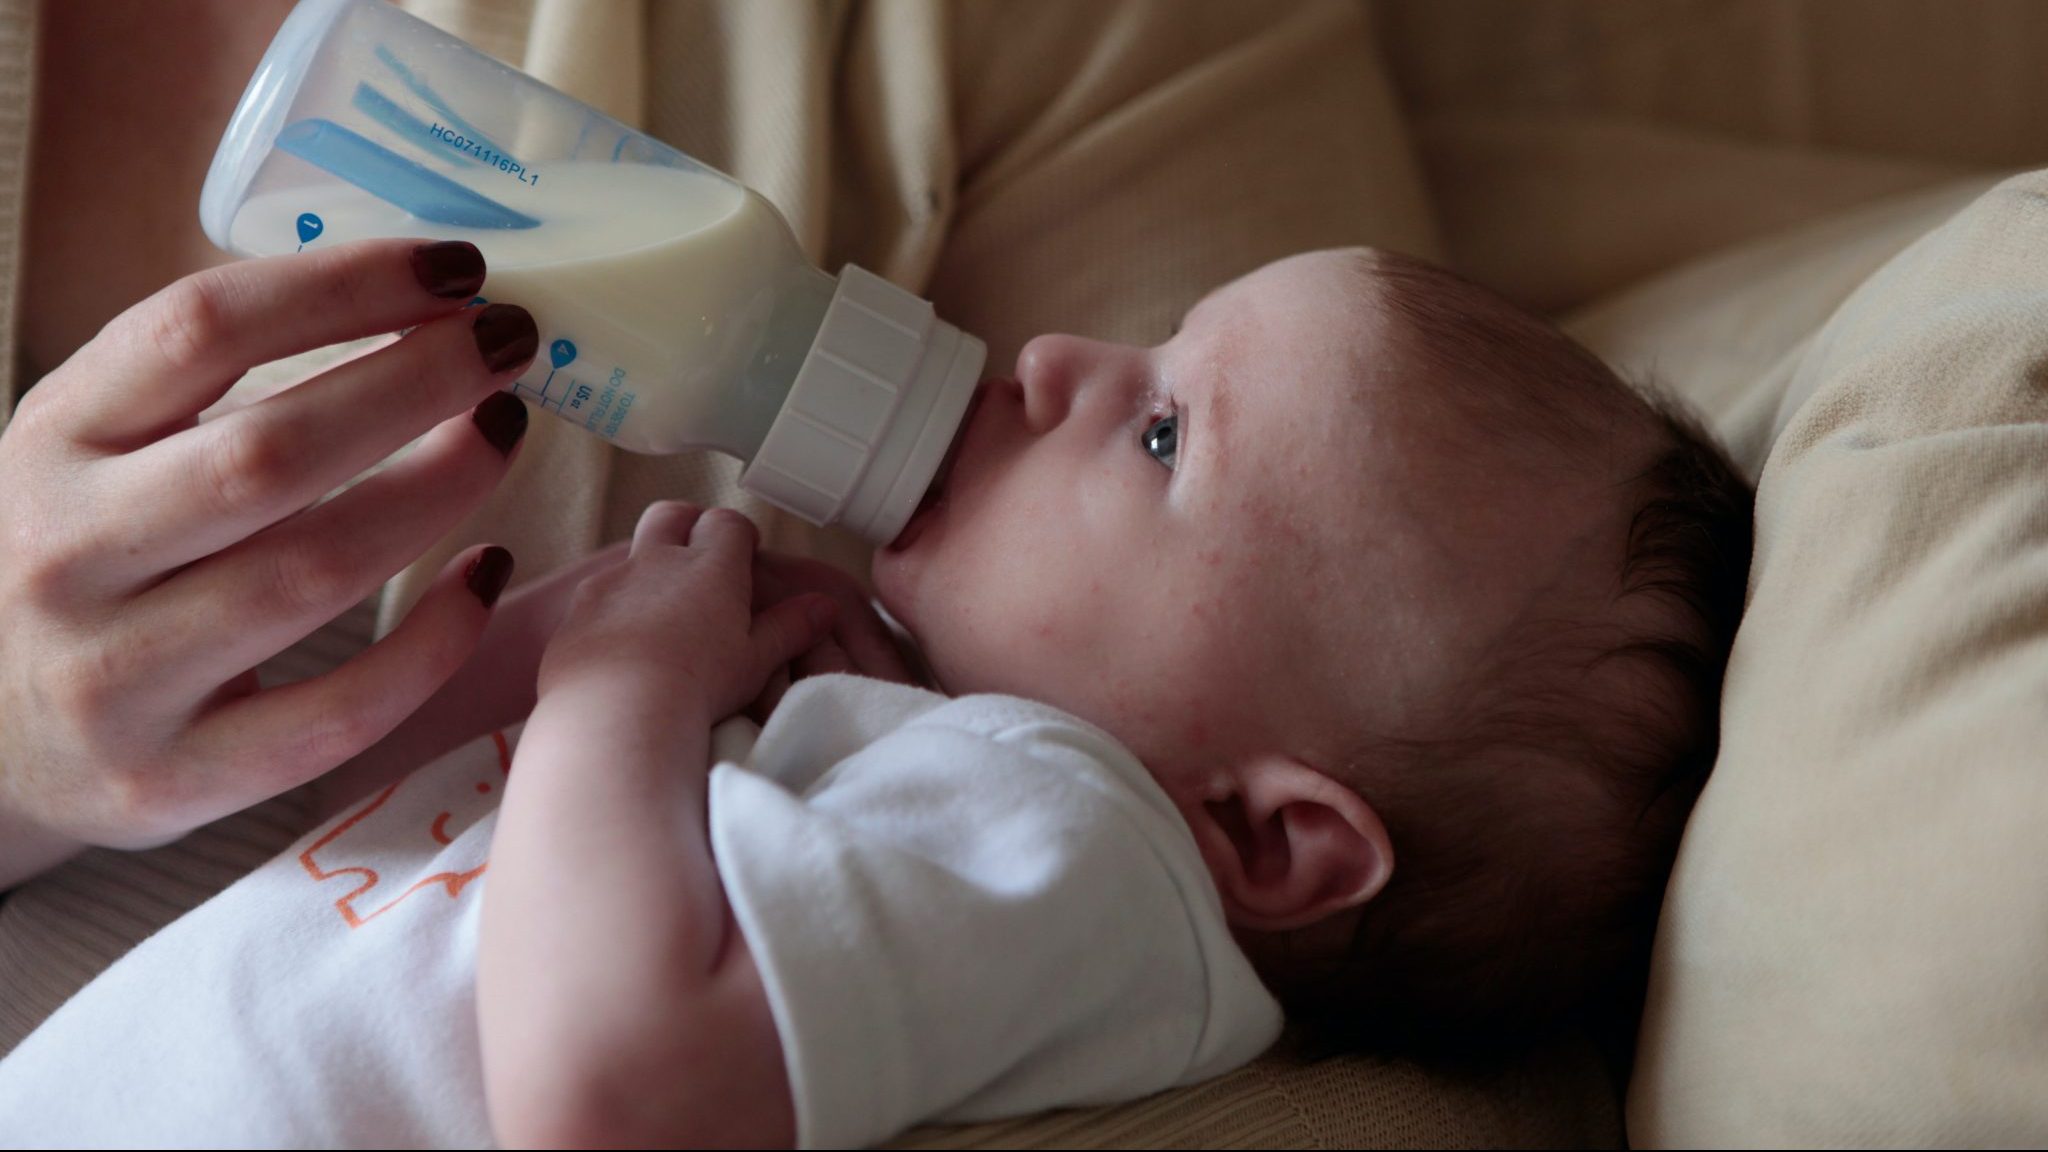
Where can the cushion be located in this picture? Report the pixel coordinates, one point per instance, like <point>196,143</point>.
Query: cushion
<point>1726,331</point>
<point>1852,943</point>
<point>1554,210</point>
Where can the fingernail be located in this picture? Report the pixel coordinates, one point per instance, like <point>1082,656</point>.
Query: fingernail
<point>505,335</point>
<point>502,419</point>
<point>488,573</point>
<point>450,269</point>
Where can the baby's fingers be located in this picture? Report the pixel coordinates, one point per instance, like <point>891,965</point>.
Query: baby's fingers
<point>863,640</point>
<point>666,522</point>
<point>728,536</point>
<point>770,697</point>
<point>824,659</point>
<point>788,630</point>
<point>820,659</point>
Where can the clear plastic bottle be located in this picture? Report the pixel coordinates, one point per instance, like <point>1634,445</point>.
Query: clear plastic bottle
<point>676,310</point>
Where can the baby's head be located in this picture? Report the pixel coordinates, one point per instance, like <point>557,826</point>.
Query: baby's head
<point>1415,610</point>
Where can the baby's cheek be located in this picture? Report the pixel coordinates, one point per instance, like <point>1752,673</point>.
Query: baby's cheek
<point>1047,633</point>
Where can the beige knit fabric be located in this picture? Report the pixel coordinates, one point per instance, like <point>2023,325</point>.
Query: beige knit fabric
<point>1559,1096</point>
<point>1957,81</point>
<point>1554,210</point>
<point>1571,145</point>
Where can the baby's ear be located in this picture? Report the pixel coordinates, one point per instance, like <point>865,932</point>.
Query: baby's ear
<point>1288,846</point>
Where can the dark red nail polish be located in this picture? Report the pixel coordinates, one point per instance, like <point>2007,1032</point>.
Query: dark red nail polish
<point>488,574</point>
<point>506,336</point>
<point>502,419</point>
<point>450,269</point>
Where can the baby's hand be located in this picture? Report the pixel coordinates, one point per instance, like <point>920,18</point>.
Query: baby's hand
<point>859,642</point>
<point>673,628</point>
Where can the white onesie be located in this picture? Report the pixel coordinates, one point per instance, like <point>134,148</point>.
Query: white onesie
<point>961,909</point>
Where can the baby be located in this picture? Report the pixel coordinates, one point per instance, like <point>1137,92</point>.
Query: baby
<point>1357,650</point>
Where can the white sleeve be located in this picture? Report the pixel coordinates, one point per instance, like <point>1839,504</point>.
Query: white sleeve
<point>955,925</point>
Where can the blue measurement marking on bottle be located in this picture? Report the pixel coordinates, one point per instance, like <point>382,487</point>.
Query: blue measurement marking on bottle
<point>560,353</point>
<point>310,228</point>
<point>393,178</point>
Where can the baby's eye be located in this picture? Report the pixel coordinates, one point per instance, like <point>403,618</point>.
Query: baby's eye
<point>1161,438</point>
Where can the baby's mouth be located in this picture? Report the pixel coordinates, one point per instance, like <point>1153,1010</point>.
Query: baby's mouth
<point>935,494</point>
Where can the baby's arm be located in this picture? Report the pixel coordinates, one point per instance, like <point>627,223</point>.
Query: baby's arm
<point>617,999</point>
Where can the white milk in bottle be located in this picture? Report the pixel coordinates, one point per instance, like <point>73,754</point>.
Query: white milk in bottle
<point>663,296</point>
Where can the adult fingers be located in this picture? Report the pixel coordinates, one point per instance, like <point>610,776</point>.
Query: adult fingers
<point>664,522</point>
<point>155,366</point>
<point>237,608</point>
<point>210,486</point>
<point>258,746</point>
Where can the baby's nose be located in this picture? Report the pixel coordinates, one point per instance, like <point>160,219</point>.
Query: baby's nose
<point>1054,369</point>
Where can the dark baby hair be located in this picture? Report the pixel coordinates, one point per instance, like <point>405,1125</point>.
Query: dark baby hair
<point>1536,815</point>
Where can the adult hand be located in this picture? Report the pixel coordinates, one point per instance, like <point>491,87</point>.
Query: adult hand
<point>149,561</point>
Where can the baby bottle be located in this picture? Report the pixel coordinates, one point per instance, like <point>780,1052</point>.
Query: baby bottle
<point>675,308</point>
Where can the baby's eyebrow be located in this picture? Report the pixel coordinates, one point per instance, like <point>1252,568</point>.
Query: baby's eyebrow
<point>1218,405</point>
<point>1209,406</point>
<point>1207,398</point>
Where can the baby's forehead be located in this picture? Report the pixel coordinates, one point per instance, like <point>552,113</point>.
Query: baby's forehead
<point>1334,292</point>
<point>1356,368</point>
<point>1435,431</point>
<point>1422,463</point>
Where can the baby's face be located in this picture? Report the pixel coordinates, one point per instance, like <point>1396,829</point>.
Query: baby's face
<point>1154,539</point>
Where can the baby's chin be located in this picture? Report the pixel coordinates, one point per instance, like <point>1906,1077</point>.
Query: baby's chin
<point>893,577</point>
<point>895,587</point>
